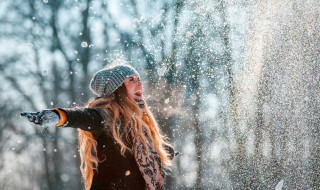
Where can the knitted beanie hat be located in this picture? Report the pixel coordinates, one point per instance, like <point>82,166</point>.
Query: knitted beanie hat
<point>106,81</point>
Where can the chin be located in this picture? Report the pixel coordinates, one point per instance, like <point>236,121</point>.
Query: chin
<point>138,98</point>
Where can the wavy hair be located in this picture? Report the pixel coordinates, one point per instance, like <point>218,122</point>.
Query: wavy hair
<point>127,113</point>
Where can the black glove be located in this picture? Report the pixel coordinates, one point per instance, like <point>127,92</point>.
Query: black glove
<point>171,151</point>
<point>45,117</point>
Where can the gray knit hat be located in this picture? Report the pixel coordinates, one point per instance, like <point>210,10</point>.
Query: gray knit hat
<point>107,80</point>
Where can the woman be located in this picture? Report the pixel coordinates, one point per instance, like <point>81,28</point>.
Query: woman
<point>121,146</point>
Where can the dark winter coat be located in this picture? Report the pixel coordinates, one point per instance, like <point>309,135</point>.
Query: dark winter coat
<point>114,171</point>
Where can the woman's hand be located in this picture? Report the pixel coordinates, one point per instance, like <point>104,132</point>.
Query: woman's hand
<point>45,117</point>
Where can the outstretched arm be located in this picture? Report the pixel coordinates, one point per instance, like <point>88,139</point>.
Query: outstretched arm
<point>89,119</point>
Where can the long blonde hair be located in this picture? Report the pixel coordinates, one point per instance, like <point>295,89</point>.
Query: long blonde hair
<point>124,110</point>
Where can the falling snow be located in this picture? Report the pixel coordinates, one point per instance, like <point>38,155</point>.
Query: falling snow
<point>44,72</point>
<point>84,44</point>
<point>233,84</point>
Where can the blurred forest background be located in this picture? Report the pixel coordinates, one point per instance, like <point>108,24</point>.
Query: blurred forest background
<point>233,83</point>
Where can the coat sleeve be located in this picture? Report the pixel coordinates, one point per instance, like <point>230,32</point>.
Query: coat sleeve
<point>88,119</point>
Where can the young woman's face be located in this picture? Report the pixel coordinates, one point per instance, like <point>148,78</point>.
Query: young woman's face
<point>134,87</point>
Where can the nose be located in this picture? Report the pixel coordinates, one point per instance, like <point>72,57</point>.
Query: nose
<point>139,83</point>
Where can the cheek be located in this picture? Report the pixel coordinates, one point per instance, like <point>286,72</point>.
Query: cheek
<point>131,93</point>
<point>130,90</point>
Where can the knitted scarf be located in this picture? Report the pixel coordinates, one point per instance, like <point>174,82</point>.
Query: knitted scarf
<point>150,165</point>
<point>149,162</point>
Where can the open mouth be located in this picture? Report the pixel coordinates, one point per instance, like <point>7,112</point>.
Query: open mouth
<point>138,93</point>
